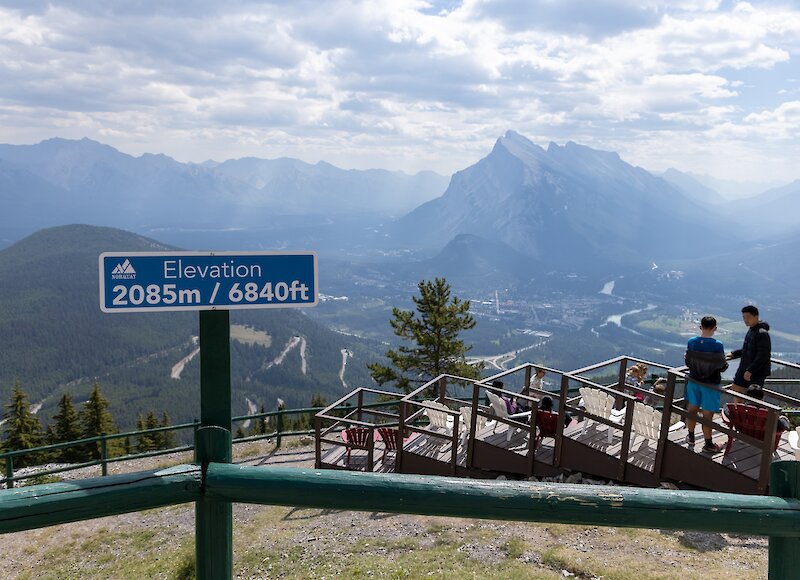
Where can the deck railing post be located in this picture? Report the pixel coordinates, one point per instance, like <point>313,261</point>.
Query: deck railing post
<point>626,440</point>
<point>562,418</point>
<point>103,454</point>
<point>278,428</point>
<point>9,472</point>
<point>666,417</point>
<point>454,445</point>
<point>766,450</point>
<point>473,427</point>
<point>442,386</point>
<point>371,450</point>
<point>359,415</point>
<point>532,437</point>
<point>317,442</point>
<point>623,369</point>
<point>526,386</point>
<point>214,518</point>
<point>401,433</point>
<point>784,552</point>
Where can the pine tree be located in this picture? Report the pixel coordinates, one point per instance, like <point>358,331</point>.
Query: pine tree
<point>143,443</point>
<point>433,330</point>
<point>95,420</point>
<point>22,428</point>
<point>67,427</point>
<point>167,437</point>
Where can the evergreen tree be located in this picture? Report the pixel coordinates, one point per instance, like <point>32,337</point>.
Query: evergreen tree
<point>22,428</point>
<point>95,420</point>
<point>67,427</point>
<point>143,442</point>
<point>167,437</point>
<point>433,331</point>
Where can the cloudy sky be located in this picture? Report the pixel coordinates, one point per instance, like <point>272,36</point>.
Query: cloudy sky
<point>705,86</point>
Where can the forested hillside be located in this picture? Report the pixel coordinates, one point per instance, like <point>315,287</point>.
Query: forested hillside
<point>55,339</point>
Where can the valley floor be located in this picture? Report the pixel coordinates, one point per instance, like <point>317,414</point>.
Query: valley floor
<point>280,542</point>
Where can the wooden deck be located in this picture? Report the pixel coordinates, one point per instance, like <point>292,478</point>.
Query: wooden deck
<point>426,454</point>
<point>625,456</point>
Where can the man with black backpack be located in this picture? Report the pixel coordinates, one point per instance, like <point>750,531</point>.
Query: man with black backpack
<point>705,359</point>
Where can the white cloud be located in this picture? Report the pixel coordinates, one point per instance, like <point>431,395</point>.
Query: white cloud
<point>406,84</point>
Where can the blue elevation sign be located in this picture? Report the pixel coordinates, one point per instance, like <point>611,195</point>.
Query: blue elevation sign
<point>158,281</point>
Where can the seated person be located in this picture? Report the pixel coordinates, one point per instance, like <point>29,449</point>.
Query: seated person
<point>536,383</point>
<point>546,404</point>
<point>511,404</point>
<point>757,392</point>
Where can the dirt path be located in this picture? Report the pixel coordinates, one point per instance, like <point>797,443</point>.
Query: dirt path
<point>177,369</point>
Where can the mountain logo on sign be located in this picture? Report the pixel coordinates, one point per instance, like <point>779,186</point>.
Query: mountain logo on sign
<point>123,271</point>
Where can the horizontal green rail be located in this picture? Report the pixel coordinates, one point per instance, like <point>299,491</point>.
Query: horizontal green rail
<point>518,501</point>
<point>51,504</point>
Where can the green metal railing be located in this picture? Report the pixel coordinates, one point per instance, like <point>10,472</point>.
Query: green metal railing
<point>776,516</point>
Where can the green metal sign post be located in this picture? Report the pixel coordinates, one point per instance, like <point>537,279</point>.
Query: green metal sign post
<point>214,518</point>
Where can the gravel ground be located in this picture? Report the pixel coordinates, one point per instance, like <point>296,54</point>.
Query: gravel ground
<point>315,535</point>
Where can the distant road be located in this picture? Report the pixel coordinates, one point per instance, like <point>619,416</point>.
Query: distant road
<point>499,361</point>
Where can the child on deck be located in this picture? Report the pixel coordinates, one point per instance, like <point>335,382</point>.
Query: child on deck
<point>634,377</point>
<point>705,357</point>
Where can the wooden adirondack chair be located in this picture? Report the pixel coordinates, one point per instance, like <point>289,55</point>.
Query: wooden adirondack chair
<point>356,438</point>
<point>391,440</point>
<point>437,414</point>
<point>499,407</point>
<point>750,420</point>
<point>546,426</point>
<point>466,422</point>
<point>600,403</point>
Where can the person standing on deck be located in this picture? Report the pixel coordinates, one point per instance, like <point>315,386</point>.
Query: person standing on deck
<point>755,354</point>
<point>705,357</point>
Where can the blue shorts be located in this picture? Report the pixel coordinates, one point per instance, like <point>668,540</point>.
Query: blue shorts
<point>703,397</point>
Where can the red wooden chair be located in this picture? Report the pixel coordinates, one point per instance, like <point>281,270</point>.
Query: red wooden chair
<point>750,420</point>
<point>355,438</point>
<point>391,440</point>
<point>546,426</point>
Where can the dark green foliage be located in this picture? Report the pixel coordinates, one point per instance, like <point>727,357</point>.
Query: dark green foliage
<point>167,440</point>
<point>22,429</point>
<point>259,426</point>
<point>154,441</point>
<point>433,331</point>
<point>61,341</point>
<point>66,427</point>
<point>96,420</point>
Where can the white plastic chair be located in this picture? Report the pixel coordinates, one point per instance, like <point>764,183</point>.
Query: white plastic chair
<point>600,403</point>
<point>499,407</point>
<point>466,423</point>
<point>794,442</point>
<point>438,416</point>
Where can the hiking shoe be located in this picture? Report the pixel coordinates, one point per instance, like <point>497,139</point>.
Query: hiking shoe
<point>713,448</point>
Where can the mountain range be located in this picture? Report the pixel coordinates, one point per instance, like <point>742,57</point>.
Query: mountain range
<point>61,181</point>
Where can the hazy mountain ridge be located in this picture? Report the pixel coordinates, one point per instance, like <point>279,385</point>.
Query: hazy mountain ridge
<point>89,182</point>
